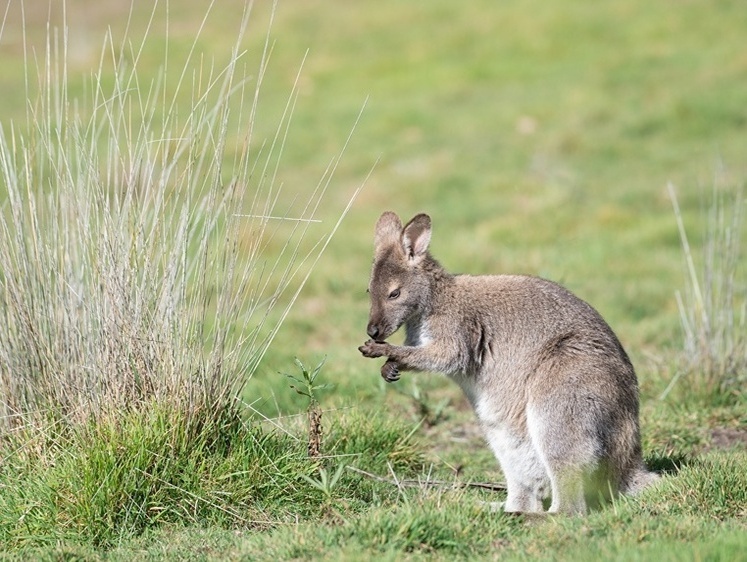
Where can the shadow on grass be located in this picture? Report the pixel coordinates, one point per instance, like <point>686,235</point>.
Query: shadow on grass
<point>668,464</point>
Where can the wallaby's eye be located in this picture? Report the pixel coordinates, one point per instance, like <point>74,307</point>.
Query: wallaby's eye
<point>394,294</point>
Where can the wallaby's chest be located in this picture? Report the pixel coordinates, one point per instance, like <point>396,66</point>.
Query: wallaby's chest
<point>417,334</point>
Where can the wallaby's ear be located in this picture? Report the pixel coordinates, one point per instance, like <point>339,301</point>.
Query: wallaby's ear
<point>388,230</point>
<point>416,236</point>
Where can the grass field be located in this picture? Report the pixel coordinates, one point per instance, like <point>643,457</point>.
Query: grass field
<point>540,138</point>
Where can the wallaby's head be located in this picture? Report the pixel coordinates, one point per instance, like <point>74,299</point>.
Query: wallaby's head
<point>400,285</point>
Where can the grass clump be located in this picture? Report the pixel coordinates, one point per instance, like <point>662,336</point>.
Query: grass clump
<point>715,484</point>
<point>713,307</point>
<point>376,443</point>
<point>145,268</point>
<point>121,477</point>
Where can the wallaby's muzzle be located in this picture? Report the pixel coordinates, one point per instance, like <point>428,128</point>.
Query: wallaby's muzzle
<point>378,330</point>
<point>372,330</point>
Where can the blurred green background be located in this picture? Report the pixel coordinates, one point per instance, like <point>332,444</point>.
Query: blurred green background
<point>539,137</point>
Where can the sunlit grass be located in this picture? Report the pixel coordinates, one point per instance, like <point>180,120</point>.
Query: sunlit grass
<point>540,138</point>
<point>145,269</point>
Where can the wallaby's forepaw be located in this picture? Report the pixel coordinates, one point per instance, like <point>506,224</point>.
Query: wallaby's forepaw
<point>373,349</point>
<point>390,371</point>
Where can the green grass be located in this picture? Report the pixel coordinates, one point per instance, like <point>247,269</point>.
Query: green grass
<point>541,140</point>
<point>698,511</point>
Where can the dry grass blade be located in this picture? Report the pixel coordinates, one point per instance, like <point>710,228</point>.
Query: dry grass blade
<point>431,483</point>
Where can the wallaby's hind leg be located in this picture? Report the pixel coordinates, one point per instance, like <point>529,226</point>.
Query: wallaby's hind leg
<point>526,478</point>
<point>568,491</point>
<point>568,455</point>
<point>522,497</point>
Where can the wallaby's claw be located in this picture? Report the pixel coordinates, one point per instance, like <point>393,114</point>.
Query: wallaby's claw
<point>390,371</point>
<point>373,349</point>
<point>365,349</point>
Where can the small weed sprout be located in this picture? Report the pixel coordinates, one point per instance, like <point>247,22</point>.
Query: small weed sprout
<point>306,386</point>
<point>426,410</point>
<point>327,481</point>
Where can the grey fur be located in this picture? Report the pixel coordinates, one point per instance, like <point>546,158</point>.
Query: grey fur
<point>553,389</point>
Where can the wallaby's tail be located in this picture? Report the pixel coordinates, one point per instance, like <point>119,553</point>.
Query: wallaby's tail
<point>638,480</point>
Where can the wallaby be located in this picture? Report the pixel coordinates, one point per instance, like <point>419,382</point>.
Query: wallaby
<point>555,394</point>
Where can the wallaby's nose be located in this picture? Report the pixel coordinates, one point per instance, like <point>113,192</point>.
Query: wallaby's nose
<point>373,331</point>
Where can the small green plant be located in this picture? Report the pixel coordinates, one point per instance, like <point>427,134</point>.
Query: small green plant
<point>327,481</point>
<point>426,410</point>
<point>306,386</point>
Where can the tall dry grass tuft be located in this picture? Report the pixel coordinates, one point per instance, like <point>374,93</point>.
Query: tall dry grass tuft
<point>713,306</point>
<point>134,260</point>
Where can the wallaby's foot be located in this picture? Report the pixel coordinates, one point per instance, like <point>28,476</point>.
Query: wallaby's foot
<point>527,516</point>
<point>494,507</point>
<point>390,371</point>
<point>374,349</point>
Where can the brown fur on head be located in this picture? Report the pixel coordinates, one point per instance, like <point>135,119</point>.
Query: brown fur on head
<point>398,287</point>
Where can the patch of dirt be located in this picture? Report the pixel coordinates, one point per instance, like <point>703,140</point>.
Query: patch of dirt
<point>728,437</point>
